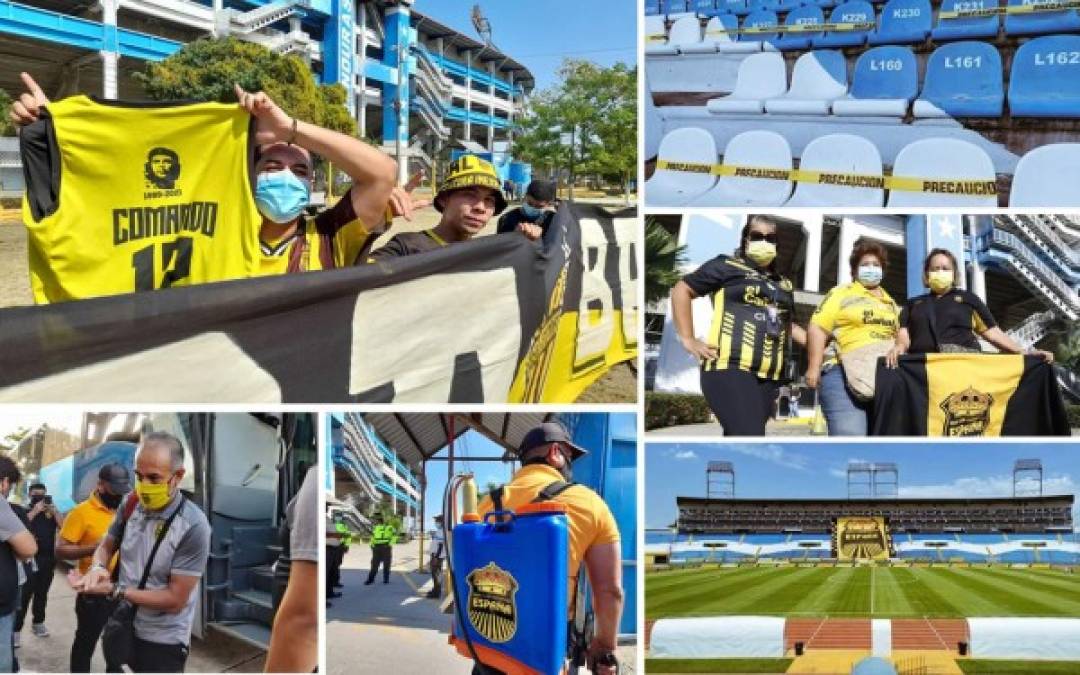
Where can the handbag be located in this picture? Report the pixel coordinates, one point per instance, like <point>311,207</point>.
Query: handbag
<point>118,636</point>
<point>860,368</point>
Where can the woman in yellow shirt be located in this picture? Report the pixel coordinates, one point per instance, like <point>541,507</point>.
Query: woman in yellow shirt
<point>863,320</point>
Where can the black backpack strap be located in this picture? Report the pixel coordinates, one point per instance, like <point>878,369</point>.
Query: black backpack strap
<point>158,540</point>
<point>497,498</point>
<point>553,490</point>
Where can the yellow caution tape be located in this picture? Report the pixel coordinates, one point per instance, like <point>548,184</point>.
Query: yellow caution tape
<point>949,186</point>
<point>657,37</point>
<point>1058,6</point>
<point>808,28</point>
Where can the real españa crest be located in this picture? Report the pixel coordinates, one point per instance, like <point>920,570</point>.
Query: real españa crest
<point>492,605</point>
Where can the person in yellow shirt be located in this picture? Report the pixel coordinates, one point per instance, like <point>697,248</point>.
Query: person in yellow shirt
<point>863,319</point>
<point>84,527</point>
<point>546,455</point>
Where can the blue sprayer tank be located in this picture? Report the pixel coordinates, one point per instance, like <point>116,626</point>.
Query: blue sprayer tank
<point>510,579</point>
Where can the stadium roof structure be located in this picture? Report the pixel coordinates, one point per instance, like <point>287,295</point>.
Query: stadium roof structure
<point>452,37</point>
<point>417,437</point>
<point>891,501</point>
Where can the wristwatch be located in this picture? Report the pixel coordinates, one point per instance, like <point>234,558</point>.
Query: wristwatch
<point>607,659</point>
<point>118,591</point>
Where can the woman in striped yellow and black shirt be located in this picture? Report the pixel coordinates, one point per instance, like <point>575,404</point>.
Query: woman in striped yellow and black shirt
<point>743,359</point>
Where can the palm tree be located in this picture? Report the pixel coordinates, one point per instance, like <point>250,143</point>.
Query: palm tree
<point>664,259</point>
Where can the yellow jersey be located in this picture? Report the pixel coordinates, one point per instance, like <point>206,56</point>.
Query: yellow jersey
<point>130,197</point>
<point>332,239</point>
<point>857,317</point>
<point>590,520</point>
<point>85,525</point>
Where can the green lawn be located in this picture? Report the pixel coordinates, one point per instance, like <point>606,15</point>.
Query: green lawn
<point>717,665</point>
<point>864,591</point>
<point>994,667</point>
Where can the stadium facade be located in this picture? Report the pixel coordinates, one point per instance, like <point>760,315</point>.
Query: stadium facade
<point>413,83</point>
<point>367,472</point>
<point>1025,267</point>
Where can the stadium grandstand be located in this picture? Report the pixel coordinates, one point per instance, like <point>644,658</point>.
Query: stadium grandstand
<point>1025,267</point>
<point>946,102</point>
<point>408,77</point>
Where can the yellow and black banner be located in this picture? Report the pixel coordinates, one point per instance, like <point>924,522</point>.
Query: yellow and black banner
<point>968,395</point>
<point>496,319</point>
<point>862,538</point>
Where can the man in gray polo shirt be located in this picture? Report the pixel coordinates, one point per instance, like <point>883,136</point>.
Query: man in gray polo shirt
<point>166,607</point>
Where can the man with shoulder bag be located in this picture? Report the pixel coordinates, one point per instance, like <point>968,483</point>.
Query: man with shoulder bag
<point>163,542</point>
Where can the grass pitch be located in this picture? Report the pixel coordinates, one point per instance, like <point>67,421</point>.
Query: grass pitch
<point>882,592</point>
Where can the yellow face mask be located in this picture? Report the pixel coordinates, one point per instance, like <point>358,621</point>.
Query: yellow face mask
<point>940,280</point>
<point>153,496</point>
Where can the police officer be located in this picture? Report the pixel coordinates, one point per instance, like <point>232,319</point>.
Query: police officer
<point>546,455</point>
<point>438,555</point>
<point>383,537</point>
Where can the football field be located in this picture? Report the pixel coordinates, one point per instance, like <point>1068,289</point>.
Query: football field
<point>882,592</point>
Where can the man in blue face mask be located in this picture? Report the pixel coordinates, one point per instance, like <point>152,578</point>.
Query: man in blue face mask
<point>535,214</point>
<point>290,241</point>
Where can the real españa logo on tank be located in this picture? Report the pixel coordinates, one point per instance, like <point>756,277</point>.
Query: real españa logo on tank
<point>492,603</point>
<point>161,180</point>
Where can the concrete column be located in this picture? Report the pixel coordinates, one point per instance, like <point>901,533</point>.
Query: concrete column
<point>491,107</point>
<point>812,227</point>
<point>978,274</point>
<point>110,55</point>
<point>361,61</point>
<point>395,99</point>
<point>510,118</point>
<point>468,94</point>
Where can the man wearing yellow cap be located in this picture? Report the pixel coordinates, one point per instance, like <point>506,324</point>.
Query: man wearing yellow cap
<point>470,196</point>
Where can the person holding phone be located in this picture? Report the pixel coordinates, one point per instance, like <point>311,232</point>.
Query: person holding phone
<point>45,520</point>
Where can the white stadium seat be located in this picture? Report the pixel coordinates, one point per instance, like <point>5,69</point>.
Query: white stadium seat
<point>947,159</point>
<point>819,78</point>
<point>677,188</point>
<point>720,36</point>
<point>685,34</point>
<point>656,37</point>
<point>839,153</point>
<point>765,149</point>
<point>1046,177</point>
<point>761,77</point>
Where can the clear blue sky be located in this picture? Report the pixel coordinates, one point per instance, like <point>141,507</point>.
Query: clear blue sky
<point>540,35</point>
<point>471,444</point>
<point>816,470</point>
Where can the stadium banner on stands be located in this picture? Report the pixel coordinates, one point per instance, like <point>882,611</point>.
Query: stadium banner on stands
<point>496,319</point>
<point>862,538</point>
<point>968,395</point>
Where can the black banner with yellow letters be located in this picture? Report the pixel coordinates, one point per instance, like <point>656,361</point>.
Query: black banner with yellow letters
<point>497,319</point>
<point>968,395</point>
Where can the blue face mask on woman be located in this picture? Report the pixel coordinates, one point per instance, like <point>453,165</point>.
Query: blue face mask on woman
<point>280,195</point>
<point>869,275</point>
<point>531,212</point>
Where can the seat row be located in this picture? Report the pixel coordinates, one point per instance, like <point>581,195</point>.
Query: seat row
<point>1058,17</point>
<point>850,173</point>
<point>962,79</point>
<point>851,24</point>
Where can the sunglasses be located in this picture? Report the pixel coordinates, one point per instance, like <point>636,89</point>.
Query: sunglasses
<point>762,236</point>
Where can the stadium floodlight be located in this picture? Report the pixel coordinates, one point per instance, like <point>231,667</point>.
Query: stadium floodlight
<point>720,480</point>
<point>481,24</point>
<point>872,480</point>
<point>1027,478</point>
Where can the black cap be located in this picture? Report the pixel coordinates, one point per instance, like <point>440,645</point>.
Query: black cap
<point>550,432</point>
<point>116,477</point>
<point>542,190</point>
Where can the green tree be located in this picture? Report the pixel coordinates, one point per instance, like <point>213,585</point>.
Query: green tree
<point>205,70</point>
<point>13,438</point>
<point>664,259</point>
<point>6,127</point>
<point>1068,351</point>
<point>587,123</point>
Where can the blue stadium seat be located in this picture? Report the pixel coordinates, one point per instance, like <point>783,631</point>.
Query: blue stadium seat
<point>1041,23</point>
<point>824,4</point>
<point>851,12</point>
<point>963,79</point>
<point>903,22</point>
<point>780,5</point>
<point>1045,78</point>
<point>966,28</point>
<point>652,7</point>
<point>722,33</point>
<point>706,8</point>
<point>736,7</point>
<point>760,19</point>
<point>886,79</point>
<point>807,14</point>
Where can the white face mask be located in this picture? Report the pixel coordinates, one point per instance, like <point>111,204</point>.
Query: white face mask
<point>869,275</point>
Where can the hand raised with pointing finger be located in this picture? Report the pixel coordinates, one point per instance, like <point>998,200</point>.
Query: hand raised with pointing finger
<point>27,108</point>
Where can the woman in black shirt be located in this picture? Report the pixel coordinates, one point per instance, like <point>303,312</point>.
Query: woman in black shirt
<point>744,356</point>
<point>949,319</point>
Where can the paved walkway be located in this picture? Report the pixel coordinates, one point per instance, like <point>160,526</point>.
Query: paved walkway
<point>216,653</point>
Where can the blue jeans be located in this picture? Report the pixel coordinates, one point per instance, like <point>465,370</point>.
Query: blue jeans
<point>7,652</point>
<point>845,415</point>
